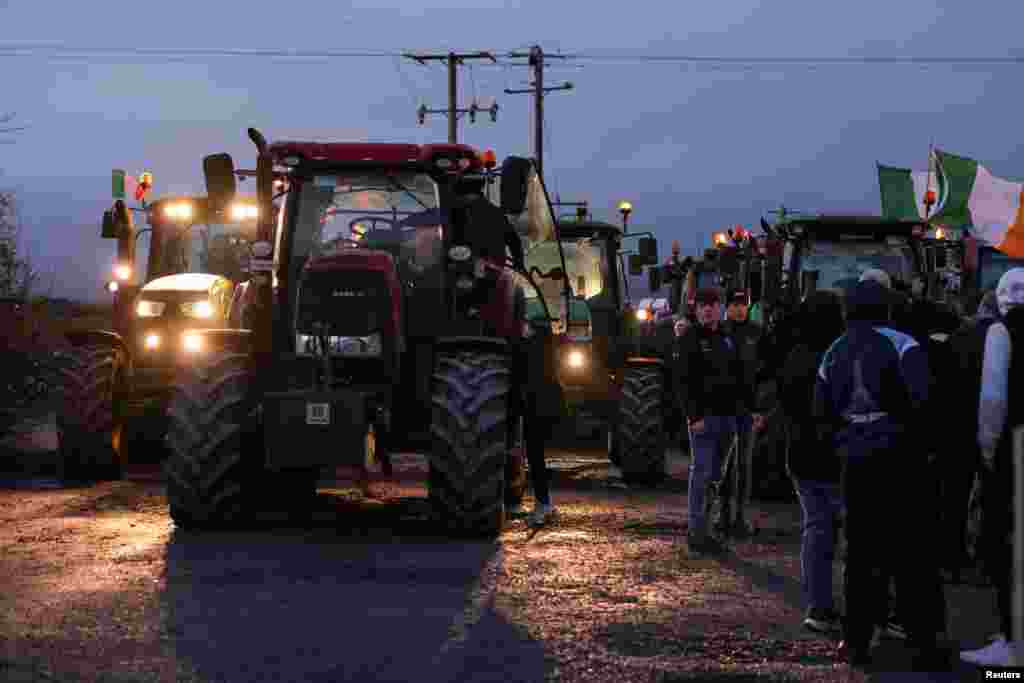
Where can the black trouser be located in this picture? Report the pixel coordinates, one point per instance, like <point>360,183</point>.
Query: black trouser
<point>889,535</point>
<point>958,464</point>
<point>536,430</point>
<point>995,543</point>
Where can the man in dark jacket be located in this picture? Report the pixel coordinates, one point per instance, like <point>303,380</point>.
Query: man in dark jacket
<point>713,392</point>
<point>810,461</point>
<point>960,384</point>
<point>736,477</point>
<point>870,395</point>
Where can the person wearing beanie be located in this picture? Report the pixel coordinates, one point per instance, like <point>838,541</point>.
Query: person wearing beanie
<point>751,340</point>
<point>869,404</point>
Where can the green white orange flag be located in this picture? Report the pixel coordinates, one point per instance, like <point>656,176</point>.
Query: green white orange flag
<point>967,195</point>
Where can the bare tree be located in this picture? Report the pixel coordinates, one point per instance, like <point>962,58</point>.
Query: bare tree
<point>17,274</point>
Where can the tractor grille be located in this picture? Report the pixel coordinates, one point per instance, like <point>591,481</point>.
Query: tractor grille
<point>344,304</point>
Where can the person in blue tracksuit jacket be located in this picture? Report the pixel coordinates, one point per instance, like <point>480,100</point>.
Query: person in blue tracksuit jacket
<point>869,400</point>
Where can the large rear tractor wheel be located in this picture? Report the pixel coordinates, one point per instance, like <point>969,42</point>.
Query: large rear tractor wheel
<point>469,430</point>
<point>88,429</point>
<point>639,443</point>
<point>210,481</point>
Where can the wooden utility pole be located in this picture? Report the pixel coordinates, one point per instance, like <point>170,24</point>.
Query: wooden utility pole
<point>536,56</point>
<point>453,59</point>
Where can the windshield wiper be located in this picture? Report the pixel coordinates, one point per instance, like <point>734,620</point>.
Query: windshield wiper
<point>407,191</point>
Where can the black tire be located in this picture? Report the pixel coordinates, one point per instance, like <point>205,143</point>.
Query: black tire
<point>88,429</point>
<point>469,430</point>
<point>210,481</point>
<point>640,439</point>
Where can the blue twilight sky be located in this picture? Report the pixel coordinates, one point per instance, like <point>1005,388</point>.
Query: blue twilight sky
<point>694,148</point>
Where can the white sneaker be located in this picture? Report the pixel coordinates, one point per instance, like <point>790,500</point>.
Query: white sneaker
<point>997,653</point>
<point>542,513</point>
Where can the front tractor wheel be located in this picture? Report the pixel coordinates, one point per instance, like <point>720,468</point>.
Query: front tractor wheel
<point>88,428</point>
<point>210,482</point>
<point>469,430</point>
<point>639,441</point>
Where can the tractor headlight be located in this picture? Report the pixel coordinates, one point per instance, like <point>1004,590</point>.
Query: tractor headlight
<point>149,309</point>
<point>151,342</point>
<point>643,315</point>
<point>192,342</point>
<point>460,253</point>
<point>198,309</point>
<point>576,359</point>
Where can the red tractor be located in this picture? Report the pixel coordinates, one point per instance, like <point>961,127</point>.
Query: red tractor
<point>387,310</point>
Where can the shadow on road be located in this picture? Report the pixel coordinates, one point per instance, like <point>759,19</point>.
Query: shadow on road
<point>364,591</point>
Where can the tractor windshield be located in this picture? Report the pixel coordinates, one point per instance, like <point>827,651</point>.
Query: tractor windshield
<point>992,265</point>
<point>840,264</point>
<point>379,208</point>
<point>216,249</point>
<point>585,265</point>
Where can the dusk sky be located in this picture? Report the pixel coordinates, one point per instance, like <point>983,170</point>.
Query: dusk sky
<point>695,148</point>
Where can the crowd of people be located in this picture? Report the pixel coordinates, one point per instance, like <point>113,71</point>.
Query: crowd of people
<point>858,392</point>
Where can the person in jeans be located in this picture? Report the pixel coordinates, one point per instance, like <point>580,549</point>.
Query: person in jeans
<point>810,461</point>
<point>1000,411</point>
<point>713,392</point>
<point>869,399</point>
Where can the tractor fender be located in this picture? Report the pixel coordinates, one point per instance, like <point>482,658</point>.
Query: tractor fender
<point>98,338</point>
<point>226,339</point>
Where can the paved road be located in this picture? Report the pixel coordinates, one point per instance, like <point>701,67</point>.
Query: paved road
<point>97,579</point>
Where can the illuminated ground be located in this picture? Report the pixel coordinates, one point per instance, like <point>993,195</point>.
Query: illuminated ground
<point>96,580</point>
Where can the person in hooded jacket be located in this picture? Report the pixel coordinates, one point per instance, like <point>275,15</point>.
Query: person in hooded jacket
<point>869,400</point>
<point>810,461</point>
<point>1000,412</point>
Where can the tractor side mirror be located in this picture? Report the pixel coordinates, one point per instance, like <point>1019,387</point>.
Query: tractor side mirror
<point>109,230</point>
<point>636,264</point>
<point>515,174</point>
<point>219,170</point>
<point>654,278</point>
<point>648,250</point>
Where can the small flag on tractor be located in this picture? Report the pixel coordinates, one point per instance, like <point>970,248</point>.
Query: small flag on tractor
<point>117,183</point>
<point>145,184</point>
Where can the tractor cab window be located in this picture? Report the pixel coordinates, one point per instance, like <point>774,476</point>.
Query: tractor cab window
<point>992,265</point>
<point>840,264</point>
<point>217,249</point>
<point>585,263</point>
<point>398,211</point>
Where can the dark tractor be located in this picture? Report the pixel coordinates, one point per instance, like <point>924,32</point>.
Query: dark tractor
<point>607,367</point>
<point>385,310</point>
<point>116,382</point>
<point>828,252</point>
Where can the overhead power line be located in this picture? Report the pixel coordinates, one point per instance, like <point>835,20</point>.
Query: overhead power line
<point>25,49</point>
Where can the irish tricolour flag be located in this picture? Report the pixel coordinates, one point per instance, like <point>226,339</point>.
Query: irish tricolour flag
<point>967,195</point>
